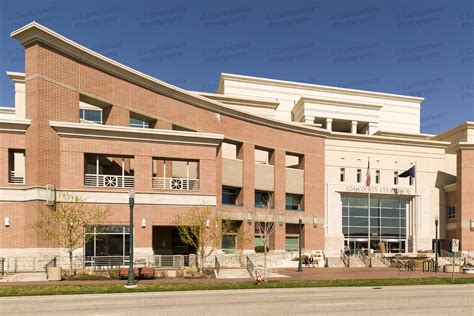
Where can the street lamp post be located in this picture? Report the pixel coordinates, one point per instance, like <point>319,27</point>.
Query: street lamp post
<point>300,266</point>
<point>436,244</point>
<point>131,279</point>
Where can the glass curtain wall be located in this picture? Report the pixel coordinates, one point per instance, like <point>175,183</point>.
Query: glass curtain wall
<point>387,223</point>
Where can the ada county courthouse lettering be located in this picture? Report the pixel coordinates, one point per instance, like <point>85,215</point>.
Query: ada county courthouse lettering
<point>106,129</point>
<point>379,190</point>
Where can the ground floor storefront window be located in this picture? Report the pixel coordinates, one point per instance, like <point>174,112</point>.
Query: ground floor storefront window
<point>106,241</point>
<point>387,220</point>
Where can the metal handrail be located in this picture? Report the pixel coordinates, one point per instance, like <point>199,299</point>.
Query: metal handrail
<point>250,266</point>
<point>171,183</point>
<point>51,263</point>
<point>365,259</point>
<point>17,178</point>
<point>217,266</point>
<point>109,181</point>
<point>2,266</point>
<point>345,258</point>
<point>444,253</point>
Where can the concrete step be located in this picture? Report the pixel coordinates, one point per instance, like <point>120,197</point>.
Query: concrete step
<point>355,262</point>
<point>234,274</point>
<point>335,262</point>
<point>377,263</point>
<point>24,277</point>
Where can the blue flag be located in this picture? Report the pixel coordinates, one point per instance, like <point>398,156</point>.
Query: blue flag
<point>409,173</point>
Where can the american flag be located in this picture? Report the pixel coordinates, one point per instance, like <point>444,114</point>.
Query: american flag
<point>367,181</point>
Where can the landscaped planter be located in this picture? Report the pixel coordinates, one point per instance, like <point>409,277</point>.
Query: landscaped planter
<point>468,270</point>
<point>449,268</point>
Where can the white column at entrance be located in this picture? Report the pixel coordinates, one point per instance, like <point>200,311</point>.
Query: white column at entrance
<point>354,127</point>
<point>329,124</point>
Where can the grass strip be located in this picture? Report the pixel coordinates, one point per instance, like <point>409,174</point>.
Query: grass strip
<point>30,290</point>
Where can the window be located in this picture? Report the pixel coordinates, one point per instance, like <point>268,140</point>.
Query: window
<point>293,202</point>
<point>377,176</point>
<point>16,166</point>
<point>342,175</point>
<point>229,236</point>
<point>410,180</point>
<point>135,122</point>
<point>451,211</point>
<point>106,241</point>
<point>395,178</point>
<point>230,195</point>
<point>359,175</point>
<point>263,199</point>
<point>91,115</point>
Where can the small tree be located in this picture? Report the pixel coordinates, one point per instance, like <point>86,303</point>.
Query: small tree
<point>265,220</point>
<point>64,225</point>
<point>201,228</point>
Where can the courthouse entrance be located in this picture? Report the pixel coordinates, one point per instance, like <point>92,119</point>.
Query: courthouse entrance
<point>385,223</point>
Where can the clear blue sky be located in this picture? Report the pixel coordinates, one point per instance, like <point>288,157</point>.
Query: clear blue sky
<point>421,48</point>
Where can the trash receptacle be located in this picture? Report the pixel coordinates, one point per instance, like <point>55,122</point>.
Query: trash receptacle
<point>54,274</point>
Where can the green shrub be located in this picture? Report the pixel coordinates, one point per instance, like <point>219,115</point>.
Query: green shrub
<point>260,249</point>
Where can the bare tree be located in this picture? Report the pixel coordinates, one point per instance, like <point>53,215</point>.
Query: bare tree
<point>265,220</point>
<point>201,228</point>
<point>64,226</point>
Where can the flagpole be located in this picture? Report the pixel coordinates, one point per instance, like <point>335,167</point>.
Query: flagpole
<point>415,217</point>
<point>368,217</point>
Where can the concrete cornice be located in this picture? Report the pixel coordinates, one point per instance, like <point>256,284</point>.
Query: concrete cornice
<point>313,87</point>
<point>464,126</point>
<point>35,32</point>
<point>388,140</point>
<point>463,146</point>
<point>336,102</point>
<point>14,125</point>
<point>236,100</point>
<point>17,77</point>
<point>131,133</point>
<point>405,135</point>
<point>450,187</point>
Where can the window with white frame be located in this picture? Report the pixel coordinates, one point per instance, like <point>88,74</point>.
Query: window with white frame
<point>359,175</point>
<point>377,176</point>
<point>395,177</point>
<point>140,123</point>
<point>91,115</point>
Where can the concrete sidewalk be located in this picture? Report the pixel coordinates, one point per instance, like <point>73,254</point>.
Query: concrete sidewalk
<point>290,274</point>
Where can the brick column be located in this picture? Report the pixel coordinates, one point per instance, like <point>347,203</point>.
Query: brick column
<point>314,182</point>
<point>247,154</point>
<point>246,236</point>
<point>279,163</point>
<point>4,176</point>
<point>143,173</point>
<point>163,125</point>
<point>115,115</point>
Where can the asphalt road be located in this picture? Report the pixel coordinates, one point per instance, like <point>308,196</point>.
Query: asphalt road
<point>419,300</point>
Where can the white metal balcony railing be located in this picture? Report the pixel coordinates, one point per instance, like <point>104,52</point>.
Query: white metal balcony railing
<point>16,178</point>
<point>175,184</point>
<point>109,181</point>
